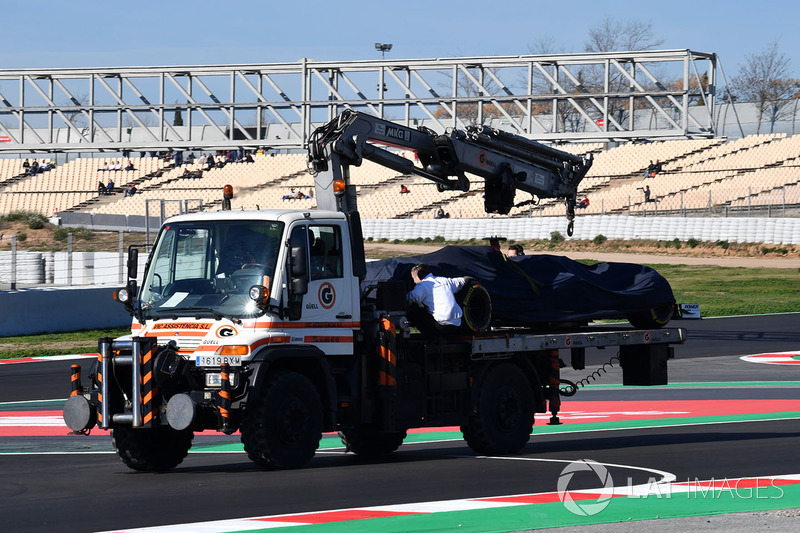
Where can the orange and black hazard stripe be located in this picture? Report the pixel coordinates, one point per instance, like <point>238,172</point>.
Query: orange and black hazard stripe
<point>149,387</point>
<point>100,378</point>
<point>387,353</point>
<point>224,398</point>
<point>75,378</point>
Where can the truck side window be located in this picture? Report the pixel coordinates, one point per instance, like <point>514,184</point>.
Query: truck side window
<point>326,252</point>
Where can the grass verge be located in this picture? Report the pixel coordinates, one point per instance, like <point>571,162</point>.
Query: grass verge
<point>730,291</point>
<point>84,341</point>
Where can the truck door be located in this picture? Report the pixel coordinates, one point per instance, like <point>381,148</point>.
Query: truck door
<point>328,308</point>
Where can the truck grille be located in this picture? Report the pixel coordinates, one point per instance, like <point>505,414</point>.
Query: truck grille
<point>188,343</point>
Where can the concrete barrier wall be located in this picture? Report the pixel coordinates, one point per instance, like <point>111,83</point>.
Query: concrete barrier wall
<point>106,222</point>
<point>31,311</point>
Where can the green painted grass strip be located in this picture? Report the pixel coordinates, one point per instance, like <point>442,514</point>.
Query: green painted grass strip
<point>660,422</point>
<point>33,403</point>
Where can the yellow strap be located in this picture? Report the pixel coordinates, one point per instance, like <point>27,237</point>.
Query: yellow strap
<point>533,282</point>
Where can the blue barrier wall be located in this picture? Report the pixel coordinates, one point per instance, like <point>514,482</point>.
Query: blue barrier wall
<point>48,310</point>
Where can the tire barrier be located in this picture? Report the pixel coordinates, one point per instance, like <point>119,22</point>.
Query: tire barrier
<point>29,268</point>
<point>733,229</point>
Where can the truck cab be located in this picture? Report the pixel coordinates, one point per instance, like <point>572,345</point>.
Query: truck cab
<point>223,286</point>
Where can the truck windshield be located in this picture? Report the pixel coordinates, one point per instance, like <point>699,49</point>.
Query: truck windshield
<point>210,266</point>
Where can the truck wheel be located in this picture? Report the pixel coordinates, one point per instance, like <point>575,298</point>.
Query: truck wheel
<point>151,449</point>
<point>502,420</point>
<point>282,429</point>
<point>370,442</point>
<point>654,318</point>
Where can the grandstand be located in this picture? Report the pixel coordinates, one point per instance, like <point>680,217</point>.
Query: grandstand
<point>704,174</point>
<point>701,177</point>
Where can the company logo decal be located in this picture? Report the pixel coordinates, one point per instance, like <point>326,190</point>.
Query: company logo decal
<point>327,295</point>
<point>393,132</point>
<point>226,331</point>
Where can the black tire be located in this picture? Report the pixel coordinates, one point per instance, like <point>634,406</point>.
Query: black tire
<point>283,427</point>
<point>369,442</point>
<point>151,449</point>
<point>654,318</point>
<point>503,415</point>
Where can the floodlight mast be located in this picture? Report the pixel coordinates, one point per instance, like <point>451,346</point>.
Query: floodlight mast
<point>383,48</point>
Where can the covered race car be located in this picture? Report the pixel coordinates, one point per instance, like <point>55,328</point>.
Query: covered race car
<point>537,290</point>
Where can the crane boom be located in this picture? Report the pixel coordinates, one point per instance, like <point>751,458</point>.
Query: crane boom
<point>505,161</point>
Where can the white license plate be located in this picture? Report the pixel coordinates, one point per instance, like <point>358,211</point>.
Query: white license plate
<point>218,360</point>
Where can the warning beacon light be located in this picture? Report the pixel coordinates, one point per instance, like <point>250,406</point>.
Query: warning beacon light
<point>338,187</point>
<point>227,195</point>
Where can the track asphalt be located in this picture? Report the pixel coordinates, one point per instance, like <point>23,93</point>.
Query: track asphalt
<point>738,415</point>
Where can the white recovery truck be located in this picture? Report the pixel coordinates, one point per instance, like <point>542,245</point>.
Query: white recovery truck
<point>256,321</point>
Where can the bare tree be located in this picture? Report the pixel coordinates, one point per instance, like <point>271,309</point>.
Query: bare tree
<point>612,35</point>
<point>76,116</point>
<point>146,117</point>
<point>466,87</point>
<point>764,80</point>
<point>566,115</point>
<point>544,45</point>
<point>177,119</point>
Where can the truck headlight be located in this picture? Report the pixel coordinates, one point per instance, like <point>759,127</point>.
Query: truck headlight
<point>259,294</point>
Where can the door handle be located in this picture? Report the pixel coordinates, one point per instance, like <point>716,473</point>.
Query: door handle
<point>343,316</point>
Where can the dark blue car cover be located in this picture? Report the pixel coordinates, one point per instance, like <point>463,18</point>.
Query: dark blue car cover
<point>538,288</point>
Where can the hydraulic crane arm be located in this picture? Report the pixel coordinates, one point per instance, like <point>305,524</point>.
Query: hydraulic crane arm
<point>505,161</point>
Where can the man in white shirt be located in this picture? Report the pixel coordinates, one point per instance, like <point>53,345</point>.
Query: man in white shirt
<point>437,296</point>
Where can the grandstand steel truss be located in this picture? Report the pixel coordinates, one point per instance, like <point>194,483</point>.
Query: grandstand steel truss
<point>551,98</point>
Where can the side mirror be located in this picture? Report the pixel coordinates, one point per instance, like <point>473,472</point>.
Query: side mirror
<point>133,262</point>
<point>298,267</point>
